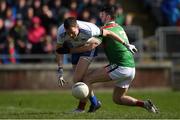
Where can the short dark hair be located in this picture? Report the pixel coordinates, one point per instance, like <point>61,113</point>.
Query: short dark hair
<point>70,22</point>
<point>109,9</point>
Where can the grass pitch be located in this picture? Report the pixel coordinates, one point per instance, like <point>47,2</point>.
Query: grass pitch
<point>58,104</point>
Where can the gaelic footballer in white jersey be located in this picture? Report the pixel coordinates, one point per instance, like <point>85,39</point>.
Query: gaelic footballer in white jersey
<point>86,31</point>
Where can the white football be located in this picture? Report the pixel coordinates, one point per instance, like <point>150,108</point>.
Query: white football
<point>80,90</point>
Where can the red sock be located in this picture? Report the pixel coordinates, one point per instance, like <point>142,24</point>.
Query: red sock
<point>140,103</point>
<point>81,105</point>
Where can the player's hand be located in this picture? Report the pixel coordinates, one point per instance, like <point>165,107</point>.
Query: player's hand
<point>61,80</point>
<point>131,48</point>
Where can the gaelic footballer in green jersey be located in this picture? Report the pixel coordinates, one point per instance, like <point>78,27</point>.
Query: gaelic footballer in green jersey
<point>116,52</point>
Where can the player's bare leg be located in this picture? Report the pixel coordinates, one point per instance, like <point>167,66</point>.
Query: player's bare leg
<point>79,71</point>
<point>120,97</point>
<point>99,75</point>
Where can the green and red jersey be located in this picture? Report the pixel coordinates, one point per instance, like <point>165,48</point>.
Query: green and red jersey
<point>115,51</point>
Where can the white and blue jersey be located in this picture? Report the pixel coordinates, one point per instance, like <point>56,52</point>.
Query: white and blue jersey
<point>86,31</point>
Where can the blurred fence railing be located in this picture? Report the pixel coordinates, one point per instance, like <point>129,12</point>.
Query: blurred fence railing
<point>168,48</point>
<point>168,42</point>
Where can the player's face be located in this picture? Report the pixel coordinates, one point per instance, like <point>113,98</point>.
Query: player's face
<point>103,17</point>
<point>73,31</point>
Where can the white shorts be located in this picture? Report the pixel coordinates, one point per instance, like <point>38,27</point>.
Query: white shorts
<point>122,75</point>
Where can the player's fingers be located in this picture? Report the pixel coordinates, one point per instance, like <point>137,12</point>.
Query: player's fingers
<point>135,50</point>
<point>132,52</point>
<point>60,82</point>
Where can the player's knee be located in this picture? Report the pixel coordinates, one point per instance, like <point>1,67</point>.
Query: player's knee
<point>117,100</point>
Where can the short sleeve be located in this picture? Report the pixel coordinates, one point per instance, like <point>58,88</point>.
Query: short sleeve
<point>92,28</point>
<point>95,30</point>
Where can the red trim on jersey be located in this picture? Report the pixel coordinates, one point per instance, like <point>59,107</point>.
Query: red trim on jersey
<point>110,26</point>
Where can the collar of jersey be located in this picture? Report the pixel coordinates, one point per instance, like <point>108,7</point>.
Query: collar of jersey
<point>111,22</point>
<point>110,25</point>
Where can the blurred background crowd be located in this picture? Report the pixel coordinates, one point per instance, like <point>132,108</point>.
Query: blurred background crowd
<point>30,26</point>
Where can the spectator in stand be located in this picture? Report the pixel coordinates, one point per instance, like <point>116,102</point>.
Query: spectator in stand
<point>129,19</point>
<point>29,3</point>
<point>21,7</point>
<point>48,45</point>
<point>3,34</point>
<point>171,11</point>
<point>28,17</point>
<point>85,15</point>
<point>111,2</point>
<point>73,9</point>
<point>11,2</point>
<point>94,8</point>
<point>53,34</point>
<point>66,15</point>
<point>46,17</point>
<point>120,17</point>
<point>37,7</point>
<point>58,11</point>
<point>3,8</point>
<point>19,33</point>
<point>84,4</point>
<point>9,19</point>
<point>9,51</point>
<point>35,36</point>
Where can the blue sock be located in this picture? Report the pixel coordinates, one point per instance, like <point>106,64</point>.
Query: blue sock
<point>93,100</point>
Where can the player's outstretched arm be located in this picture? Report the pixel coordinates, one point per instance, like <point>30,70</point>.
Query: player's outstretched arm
<point>112,34</point>
<point>59,60</point>
<point>130,47</point>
